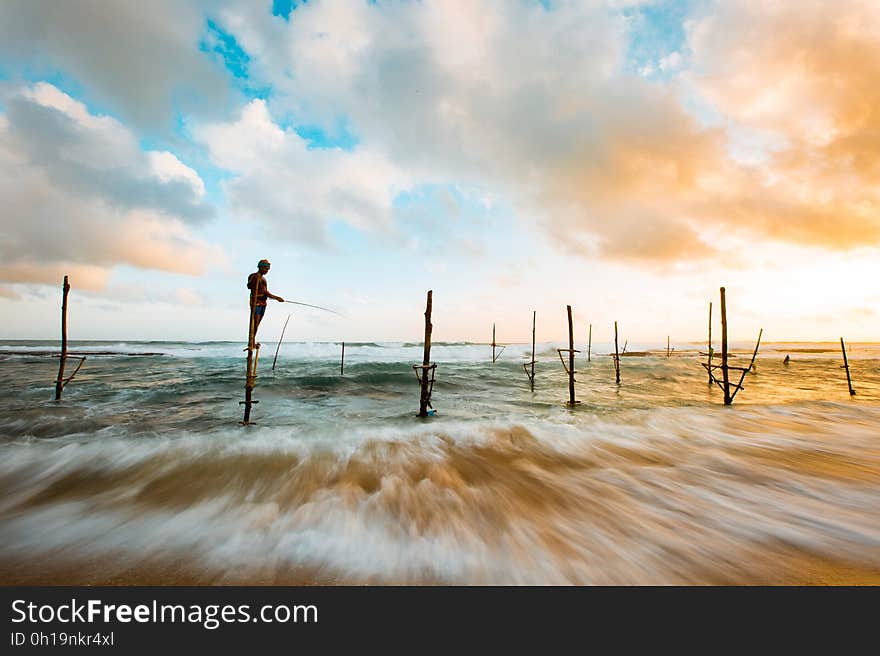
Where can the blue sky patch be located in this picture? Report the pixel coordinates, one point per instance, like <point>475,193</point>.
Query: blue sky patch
<point>283,8</point>
<point>225,47</point>
<point>339,136</point>
<point>657,31</point>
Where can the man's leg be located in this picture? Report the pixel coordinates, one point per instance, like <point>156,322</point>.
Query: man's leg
<point>259,311</point>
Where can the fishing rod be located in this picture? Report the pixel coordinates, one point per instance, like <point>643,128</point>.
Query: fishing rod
<point>280,339</point>
<point>317,307</point>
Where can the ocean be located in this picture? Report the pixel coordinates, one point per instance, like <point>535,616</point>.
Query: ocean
<point>143,474</point>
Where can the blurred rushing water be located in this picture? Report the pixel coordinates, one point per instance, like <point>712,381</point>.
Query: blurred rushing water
<point>143,468</point>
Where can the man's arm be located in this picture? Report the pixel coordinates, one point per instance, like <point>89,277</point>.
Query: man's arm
<point>271,295</point>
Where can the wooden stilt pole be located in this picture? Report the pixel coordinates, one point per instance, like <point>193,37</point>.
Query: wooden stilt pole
<point>589,342</point>
<point>495,357</point>
<point>616,357</point>
<point>571,399</point>
<point>532,375</point>
<point>709,361</point>
<point>253,355</point>
<point>342,361</point>
<point>426,369</point>
<point>667,346</point>
<point>724,370</point>
<point>852,392</point>
<point>59,383</point>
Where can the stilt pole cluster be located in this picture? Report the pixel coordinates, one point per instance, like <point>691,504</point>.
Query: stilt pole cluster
<point>730,389</point>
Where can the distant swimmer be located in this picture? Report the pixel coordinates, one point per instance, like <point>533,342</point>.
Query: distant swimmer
<point>787,360</point>
<point>262,293</point>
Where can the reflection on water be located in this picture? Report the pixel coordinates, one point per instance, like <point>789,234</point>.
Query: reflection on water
<point>142,473</point>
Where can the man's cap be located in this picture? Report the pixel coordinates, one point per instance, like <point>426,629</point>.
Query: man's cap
<point>263,263</point>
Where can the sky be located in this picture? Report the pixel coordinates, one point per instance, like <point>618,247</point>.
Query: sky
<point>625,157</point>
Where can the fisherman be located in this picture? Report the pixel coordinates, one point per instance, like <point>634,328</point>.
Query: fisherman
<point>262,292</point>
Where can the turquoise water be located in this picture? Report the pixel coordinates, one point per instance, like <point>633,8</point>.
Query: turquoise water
<point>143,465</point>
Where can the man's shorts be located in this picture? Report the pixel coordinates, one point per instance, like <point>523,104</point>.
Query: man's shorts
<point>259,310</point>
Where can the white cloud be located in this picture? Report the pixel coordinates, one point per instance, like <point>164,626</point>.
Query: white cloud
<point>537,107</point>
<point>166,167</point>
<point>670,62</point>
<point>281,182</point>
<point>80,196</point>
<point>142,61</point>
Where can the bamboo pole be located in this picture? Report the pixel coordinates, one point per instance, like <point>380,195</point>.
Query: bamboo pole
<point>589,342</point>
<point>425,397</point>
<point>852,392</point>
<point>571,399</point>
<point>616,357</point>
<point>253,354</point>
<point>724,371</point>
<point>709,350</point>
<point>280,339</point>
<point>342,361</point>
<point>59,383</point>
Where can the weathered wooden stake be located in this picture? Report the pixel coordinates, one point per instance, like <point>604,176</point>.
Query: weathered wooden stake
<point>709,361</point>
<point>852,392</point>
<point>426,369</point>
<point>342,361</point>
<point>253,355</point>
<point>616,357</point>
<point>532,375</point>
<point>724,370</point>
<point>589,342</point>
<point>667,346</point>
<point>571,399</point>
<point>526,365</point>
<point>495,357</point>
<point>59,383</point>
